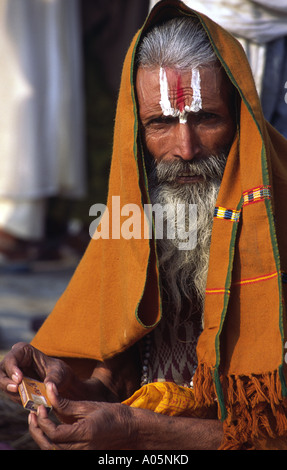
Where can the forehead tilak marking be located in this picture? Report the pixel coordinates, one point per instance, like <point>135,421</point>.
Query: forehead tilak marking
<point>164,96</point>
<point>179,95</point>
<point>181,111</point>
<point>196,103</point>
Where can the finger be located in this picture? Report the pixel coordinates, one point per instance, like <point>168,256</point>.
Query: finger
<point>19,359</point>
<point>53,394</point>
<point>10,385</point>
<point>62,407</point>
<point>11,367</point>
<point>10,374</point>
<point>38,435</point>
<point>61,436</point>
<point>58,372</point>
<point>68,410</point>
<point>54,372</point>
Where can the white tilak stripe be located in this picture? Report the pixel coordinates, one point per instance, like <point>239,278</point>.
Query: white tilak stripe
<point>196,104</point>
<point>164,99</point>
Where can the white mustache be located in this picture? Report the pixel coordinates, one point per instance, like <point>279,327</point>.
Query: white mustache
<point>211,167</point>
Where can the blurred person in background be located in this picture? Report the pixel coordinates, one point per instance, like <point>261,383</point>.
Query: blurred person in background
<point>107,29</point>
<point>261,28</point>
<point>41,119</point>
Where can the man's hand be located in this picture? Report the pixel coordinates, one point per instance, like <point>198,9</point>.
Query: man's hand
<point>113,381</point>
<point>24,359</point>
<point>113,426</point>
<point>92,425</point>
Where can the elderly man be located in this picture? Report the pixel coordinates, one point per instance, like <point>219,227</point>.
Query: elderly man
<point>160,347</point>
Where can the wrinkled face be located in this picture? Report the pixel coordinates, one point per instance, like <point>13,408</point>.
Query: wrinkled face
<point>185,115</point>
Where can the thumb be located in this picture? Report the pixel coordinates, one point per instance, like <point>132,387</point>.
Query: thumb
<point>55,374</point>
<point>59,373</point>
<point>53,394</point>
<point>67,410</point>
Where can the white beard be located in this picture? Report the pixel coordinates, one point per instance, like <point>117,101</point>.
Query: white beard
<point>184,272</point>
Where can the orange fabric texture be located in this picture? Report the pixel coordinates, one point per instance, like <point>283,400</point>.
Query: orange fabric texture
<point>114,298</point>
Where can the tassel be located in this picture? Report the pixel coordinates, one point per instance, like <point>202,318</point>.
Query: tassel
<point>241,391</point>
<point>255,412</point>
<point>254,405</point>
<point>204,389</point>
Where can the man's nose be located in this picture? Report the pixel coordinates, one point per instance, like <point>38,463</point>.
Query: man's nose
<point>187,144</point>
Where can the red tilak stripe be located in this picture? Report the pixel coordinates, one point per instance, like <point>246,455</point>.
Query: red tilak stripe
<point>179,95</point>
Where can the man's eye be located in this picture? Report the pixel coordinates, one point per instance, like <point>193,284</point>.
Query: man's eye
<point>206,116</point>
<point>162,120</point>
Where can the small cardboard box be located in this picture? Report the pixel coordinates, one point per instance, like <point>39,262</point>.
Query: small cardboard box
<point>33,394</point>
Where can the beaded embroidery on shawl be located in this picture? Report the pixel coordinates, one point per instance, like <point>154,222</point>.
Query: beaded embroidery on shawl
<point>170,355</point>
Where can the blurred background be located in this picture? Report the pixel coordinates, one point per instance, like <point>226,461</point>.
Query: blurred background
<point>61,64</point>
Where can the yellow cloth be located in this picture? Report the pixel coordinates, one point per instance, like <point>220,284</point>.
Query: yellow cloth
<point>169,399</point>
<point>114,299</point>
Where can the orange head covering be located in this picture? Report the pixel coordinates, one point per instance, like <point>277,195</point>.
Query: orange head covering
<point>114,299</point>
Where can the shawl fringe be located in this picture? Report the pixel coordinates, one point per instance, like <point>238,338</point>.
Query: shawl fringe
<point>253,406</point>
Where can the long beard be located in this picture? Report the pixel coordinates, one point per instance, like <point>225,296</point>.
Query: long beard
<point>184,271</point>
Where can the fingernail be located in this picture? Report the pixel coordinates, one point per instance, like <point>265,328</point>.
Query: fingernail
<point>52,388</point>
<point>41,411</point>
<point>15,377</point>
<point>30,416</point>
<point>12,388</point>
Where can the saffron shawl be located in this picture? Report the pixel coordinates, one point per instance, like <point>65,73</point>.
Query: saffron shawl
<point>113,299</point>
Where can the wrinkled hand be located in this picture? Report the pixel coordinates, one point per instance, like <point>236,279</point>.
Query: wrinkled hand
<point>94,425</point>
<point>24,359</point>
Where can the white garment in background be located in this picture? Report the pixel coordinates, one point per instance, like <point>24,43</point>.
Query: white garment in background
<point>253,23</point>
<point>24,219</point>
<point>259,21</point>
<point>41,103</point>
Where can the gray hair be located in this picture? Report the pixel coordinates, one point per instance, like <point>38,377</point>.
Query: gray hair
<point>179,43</point>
